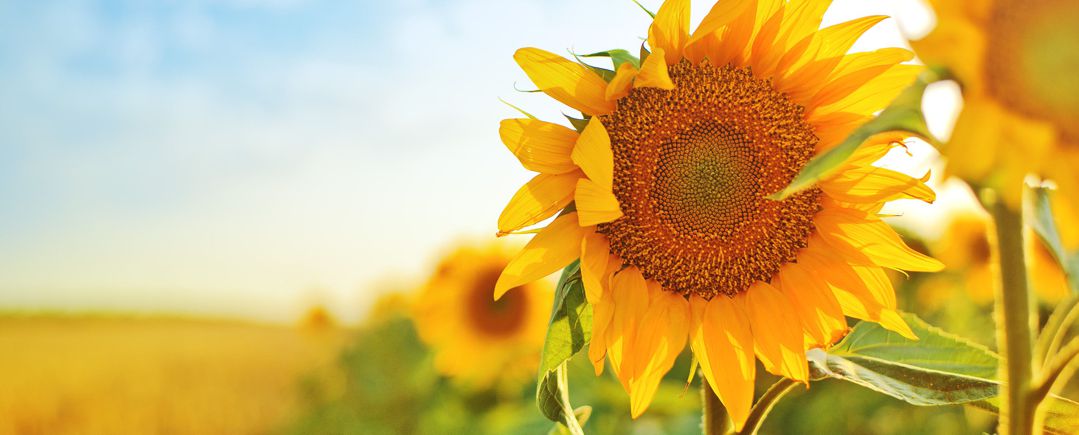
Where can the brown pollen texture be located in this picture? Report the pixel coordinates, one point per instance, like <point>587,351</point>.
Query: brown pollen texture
<point>692,169</point>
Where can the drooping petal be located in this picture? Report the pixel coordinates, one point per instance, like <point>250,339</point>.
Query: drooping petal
<point>661,337</point>
<point>595,254</point>
<point>860,236</point>
<point>630,294</point>
<point>670,30</point>
<point>537,200</point>
<point>820,313</point>
<point>595,204</point>
<point>723,343</point>
<point>602,314</point>
<point>570,83</point>
<point>870,184</point>
<point>549,250</point>
<point>777,333</point>
<point>593,154</point>
<point>540,146</point>
<point>622,82</point>
<point>653,73</point>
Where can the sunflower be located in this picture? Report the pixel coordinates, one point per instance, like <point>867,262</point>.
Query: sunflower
<point>966,250</point>
<point>1016,62</point>
<point>664,194</point>
<point>479,341</point>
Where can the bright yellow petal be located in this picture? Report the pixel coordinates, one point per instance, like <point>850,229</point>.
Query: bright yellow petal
<point>876,94</point>
<point>816,305</point>
<point>860,236</point>
<point>764,55</point>
<point>595,253</point>
<point>602,314</point>
<point>855,70</point>
<point>723,344</point>
<point>630,294</point>
<point>670,30</point>
<point>622,82</point>
<point>807,76</point>
<point>705,38</point>
<point>777,333</point>
<point>661,337</point>
<point>537,200</point>
<point>801,20</point>
<point>549,250</point>
<point>595,205</point>
<point>875,148</point>
<point>593,154</point>
<point>870,184</point>
<point>653,73</point>
<point>571,83</point>
<point>540,146</point>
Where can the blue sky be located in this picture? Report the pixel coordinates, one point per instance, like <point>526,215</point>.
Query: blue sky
<point>249,157</point>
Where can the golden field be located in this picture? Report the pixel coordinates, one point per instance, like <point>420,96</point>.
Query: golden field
<point>112,375</point>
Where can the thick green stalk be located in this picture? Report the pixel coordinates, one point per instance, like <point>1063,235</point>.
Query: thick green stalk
<point>714,420</point>
<point>1014,323</point>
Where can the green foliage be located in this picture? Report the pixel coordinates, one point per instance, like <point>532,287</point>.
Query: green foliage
<point>569,330</point>
<point>618,57</point>
<point>939,369</point>
<point>904,114</point>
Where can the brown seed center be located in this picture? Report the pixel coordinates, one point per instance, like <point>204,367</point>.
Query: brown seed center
<point>693,168</point>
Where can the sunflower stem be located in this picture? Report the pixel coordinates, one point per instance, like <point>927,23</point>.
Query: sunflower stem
<point>765,403</point>
<point>714,420</point>
<point>1014,323</point>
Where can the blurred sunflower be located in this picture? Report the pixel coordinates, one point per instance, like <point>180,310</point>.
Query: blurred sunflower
<point>1017,62</point>
<point>477,340</point>
<point>665,194</point>
<point>965,249</point>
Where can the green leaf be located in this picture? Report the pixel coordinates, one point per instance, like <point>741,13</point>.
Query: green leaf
<point>618,57</point>
<point>650,13</point>
<point>939,369</point>
<point>569,331</point>
<point>552,396</point>
<point>904,114</point>
<point>578,123</point>
<point>1045,227</point>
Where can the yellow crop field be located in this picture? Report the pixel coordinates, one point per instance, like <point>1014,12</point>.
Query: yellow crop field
<point>91,375</point>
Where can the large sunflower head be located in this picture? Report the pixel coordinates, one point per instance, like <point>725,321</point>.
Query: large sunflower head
<point>477,340</point>
<point>1016,61</point>
<point>665,194</point>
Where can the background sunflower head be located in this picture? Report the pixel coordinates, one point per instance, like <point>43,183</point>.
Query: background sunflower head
<point>477,340</point>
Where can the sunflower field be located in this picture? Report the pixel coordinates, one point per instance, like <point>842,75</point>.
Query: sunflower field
<point>753,216</point>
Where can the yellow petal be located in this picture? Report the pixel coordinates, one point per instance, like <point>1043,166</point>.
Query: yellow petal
<point>571,83</point>
<point>622,82</point>
<point>764,57</point>
<point>705,37</point>
<point>602,314</point>
<point>549,250</point>
<point>876,94</point>
<point>863,292</point>
<point>860,236</point>
<point>816,305</point>
<point>857,69</point>
<point>537,200</point>
<point>593,154</point>
<point>807,75</point>
<point>661,337</point>
<point>540,146</point>
<point>802,19</point>
<point>630,294</point>
<point>670,30</point>
<point>777,334</point>
<point>870,184</point>
<point>875,148</point>
<point>653,73</point>
<point>723,344</point>
<point>595,251</point>
<point>595,205</point>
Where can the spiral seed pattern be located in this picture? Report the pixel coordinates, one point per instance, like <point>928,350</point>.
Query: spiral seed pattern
<point>692,169</point>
